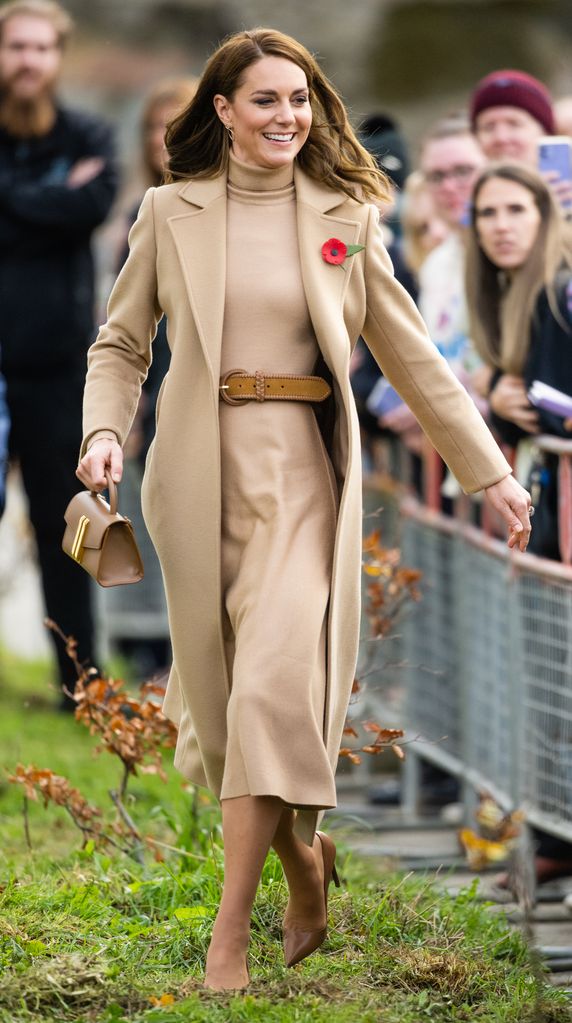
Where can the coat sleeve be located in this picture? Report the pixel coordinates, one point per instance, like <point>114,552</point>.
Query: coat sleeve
<point>120,356</point>
<point>398,339</point>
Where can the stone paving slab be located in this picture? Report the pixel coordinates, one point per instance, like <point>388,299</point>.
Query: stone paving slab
<point>439,844</point>
<point>562,980</point>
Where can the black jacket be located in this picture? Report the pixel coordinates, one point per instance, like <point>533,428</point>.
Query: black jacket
<point>549,360</point>
<point>46,264</point>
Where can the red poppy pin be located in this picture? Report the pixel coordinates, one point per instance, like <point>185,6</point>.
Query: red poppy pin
<point>335,251</point>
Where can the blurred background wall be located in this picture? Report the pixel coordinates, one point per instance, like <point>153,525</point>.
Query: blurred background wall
<point>414,58</point>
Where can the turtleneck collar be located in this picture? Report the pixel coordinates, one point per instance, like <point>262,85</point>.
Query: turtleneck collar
<point>259,179</point>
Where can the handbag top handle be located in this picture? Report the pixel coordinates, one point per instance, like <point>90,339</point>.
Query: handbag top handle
<point>112,493</point>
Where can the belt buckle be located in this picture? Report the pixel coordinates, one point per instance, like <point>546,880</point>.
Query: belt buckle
<point>223,387</point>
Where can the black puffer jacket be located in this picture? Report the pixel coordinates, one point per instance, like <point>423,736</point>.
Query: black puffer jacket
<point>46,264</point>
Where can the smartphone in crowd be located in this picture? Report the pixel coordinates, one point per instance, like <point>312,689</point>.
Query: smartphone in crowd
<point>555,156</point>
<point>549,398</point>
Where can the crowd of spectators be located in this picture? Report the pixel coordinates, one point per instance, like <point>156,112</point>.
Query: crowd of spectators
<point>493,284</point>
<point>486,232</point>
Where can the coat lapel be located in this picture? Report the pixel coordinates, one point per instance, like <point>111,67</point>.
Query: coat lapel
<point>200,239</point>
<point>325,285</point>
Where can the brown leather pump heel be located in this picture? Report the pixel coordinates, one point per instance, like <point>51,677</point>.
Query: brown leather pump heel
<point>299,944</point>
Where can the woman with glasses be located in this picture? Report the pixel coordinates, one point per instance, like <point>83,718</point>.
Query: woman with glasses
<point>450,162</point>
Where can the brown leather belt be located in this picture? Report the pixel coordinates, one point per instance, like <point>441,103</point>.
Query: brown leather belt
<point>237,387</point>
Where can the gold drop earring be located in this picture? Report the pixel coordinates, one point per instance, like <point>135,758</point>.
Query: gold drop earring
<point>230,133</point>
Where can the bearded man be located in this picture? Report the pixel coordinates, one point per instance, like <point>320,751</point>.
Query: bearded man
<point>57,183</point>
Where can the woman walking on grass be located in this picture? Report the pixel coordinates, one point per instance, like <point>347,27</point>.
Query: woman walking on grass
<point>265,254</point>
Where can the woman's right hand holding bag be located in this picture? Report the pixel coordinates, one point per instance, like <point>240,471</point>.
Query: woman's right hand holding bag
<point>103,453</point>
<point>97,536</point>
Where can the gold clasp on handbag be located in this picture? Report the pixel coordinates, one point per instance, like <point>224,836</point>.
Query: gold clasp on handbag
<point>77,546</point>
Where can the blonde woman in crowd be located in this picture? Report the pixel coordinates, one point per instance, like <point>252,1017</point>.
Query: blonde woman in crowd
<point>423,227</point>
<point>162,104</point>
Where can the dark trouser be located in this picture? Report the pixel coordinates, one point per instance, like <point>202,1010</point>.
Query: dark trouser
<point>45,437</point>
<point>551,847</point>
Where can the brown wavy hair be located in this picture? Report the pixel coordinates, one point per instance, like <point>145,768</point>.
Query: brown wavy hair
<point>501,309</point>
<point>198,144</point>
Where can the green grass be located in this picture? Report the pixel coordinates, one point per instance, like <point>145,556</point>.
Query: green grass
<point>93,938</point>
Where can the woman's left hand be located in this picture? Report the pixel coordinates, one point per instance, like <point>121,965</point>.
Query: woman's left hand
<point>514,504</point>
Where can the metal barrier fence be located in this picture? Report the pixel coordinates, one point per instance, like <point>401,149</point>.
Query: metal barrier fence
<point>486,670</point>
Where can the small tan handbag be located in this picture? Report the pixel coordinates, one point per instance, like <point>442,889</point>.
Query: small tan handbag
<point>101,540</point>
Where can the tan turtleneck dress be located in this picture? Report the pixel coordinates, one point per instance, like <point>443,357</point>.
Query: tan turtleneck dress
<point>279,508</point>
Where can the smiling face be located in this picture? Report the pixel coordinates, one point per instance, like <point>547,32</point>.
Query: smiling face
<point>269,114</point>
<point>507,220</point>
<point>30,57</point>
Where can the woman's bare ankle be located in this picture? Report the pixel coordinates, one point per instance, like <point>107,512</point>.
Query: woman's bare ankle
<point>226,965</point>
<point>226,969</point>
<point>231,928</point>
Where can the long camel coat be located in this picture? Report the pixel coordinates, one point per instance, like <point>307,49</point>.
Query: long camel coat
<point>176,266</point>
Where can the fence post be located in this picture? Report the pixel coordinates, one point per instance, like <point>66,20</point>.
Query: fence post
<point>411,778</point>
<point>565,508</point>
<point>433,476</point>
<point>516,685</point>
<point>461,578</point>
